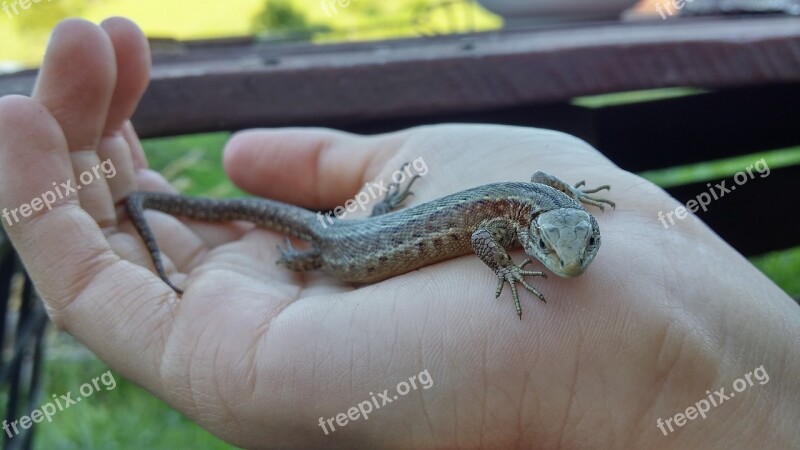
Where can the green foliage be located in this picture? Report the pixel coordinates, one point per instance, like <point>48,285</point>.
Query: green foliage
<point>782,267</point>
<point>715,170</point>
<point>192,163</point>
<point>121,418</point>
<point>628,97</point>
<point>43,15</point>
<point>279,15</point>
<point>27,34</point>
<point>331,20</point>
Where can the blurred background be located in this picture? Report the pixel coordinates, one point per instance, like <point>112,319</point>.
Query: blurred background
<point>24,33</point>
<point>674,93</point>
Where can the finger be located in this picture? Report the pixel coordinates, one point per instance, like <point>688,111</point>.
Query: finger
<point>137,152</point>
<point>132,56</point>
<point>76,83</point>
<point>311,167</point>
<point>87,289</point>
<point>115,157</point>
<point>55,228</point>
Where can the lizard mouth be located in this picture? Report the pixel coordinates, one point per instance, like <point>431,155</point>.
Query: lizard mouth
<point>573,269</point>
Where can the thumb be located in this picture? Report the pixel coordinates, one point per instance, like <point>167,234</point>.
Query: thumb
<point>312,167</point>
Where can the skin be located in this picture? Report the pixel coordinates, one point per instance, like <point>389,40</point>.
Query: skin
<point>256,353</point>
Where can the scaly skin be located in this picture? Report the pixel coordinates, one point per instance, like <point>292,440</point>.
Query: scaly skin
<point>544,216</point>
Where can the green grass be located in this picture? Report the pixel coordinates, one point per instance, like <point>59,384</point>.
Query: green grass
<point>125,417</point>
<point>714,170</point>
<point>192,163</point>
<point>783,267</point>
<point>624,98</point>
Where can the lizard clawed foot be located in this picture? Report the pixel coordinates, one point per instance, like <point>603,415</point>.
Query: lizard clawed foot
<point>581,195</point>
<point>574,191</point>
<point>301,261</point>
<point>514,274</point>
<point>394,195</point>
<point>288,253</point>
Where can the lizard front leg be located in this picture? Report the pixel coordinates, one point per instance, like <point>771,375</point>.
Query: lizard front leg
<point>488,242</point>
<point>580,195</point>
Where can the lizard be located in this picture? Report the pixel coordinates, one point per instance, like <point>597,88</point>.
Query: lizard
<point>545,217</point>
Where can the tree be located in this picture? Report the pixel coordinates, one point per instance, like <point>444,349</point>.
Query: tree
<point>279,15</point>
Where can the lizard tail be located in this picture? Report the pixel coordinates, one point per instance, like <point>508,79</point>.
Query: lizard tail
<point>271,214</point>
<point>274,215</point>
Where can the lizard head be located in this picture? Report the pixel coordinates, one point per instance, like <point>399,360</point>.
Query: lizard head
<point>565,240</point>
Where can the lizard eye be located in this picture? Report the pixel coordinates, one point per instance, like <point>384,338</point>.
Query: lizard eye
<point>591,241</point>
<point>541,244</point>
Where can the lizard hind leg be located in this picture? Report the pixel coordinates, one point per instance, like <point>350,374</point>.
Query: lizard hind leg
<point>575,192</point>
<point>394,196</point>
<point>299,261</point>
